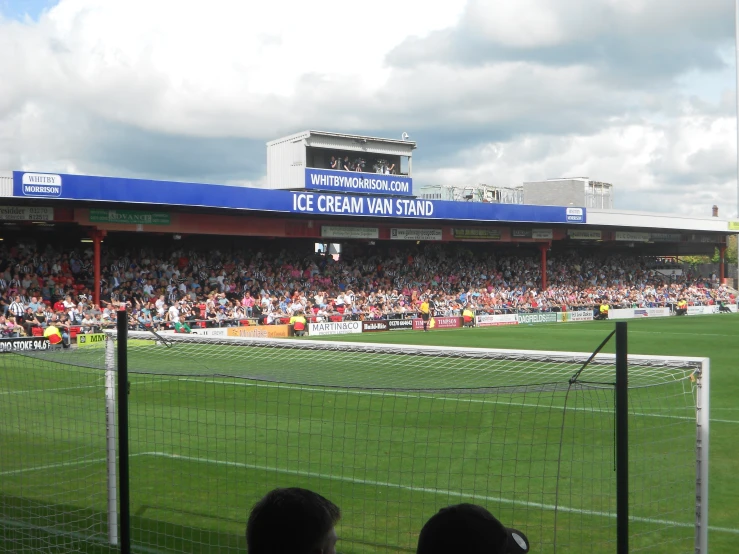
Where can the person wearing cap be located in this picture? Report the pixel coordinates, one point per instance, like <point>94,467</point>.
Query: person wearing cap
<point>292,521</point>
<point>470,529</point>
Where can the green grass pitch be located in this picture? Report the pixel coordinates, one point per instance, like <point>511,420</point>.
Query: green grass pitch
<point>205,447</point>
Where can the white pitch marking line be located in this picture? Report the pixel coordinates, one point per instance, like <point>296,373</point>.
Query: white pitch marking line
<point>403,395</point>
<point>60,464</point>
<point>440,492</point>
<point>49,390</point>
<point>76,535</point>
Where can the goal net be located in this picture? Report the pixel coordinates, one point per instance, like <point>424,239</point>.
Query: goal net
<point>389,433</point>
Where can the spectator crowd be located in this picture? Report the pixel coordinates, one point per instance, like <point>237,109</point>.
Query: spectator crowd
<point>39,287</point>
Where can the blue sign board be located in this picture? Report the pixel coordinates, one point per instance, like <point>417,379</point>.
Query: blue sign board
<point>355,182</point>
<point>41,185</point>
<point>143,191</point>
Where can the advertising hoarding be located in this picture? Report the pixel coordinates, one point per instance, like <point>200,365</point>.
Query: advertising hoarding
<point>334,328</point>
<point>496,320</point>
<point>167,193</point>
<point>375,325</point>
<point>400,324</point>
<point>543,317</point>
<point>415,234</point>
<point>90,339</point>
<point>438,323</point>
<point>357,182</point>
<point>21,344</point>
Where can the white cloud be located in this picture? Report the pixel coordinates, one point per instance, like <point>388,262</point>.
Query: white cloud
<point>501,92</point>
<point>684,166</point>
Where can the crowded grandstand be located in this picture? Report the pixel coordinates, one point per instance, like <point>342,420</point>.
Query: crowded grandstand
<point>555,248</point>
<point>41,286</point>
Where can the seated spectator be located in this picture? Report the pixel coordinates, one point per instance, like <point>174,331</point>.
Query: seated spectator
<point>54,335</point>
<point>182,327</point>
<point>469,529</point>
<point>299,323</point>
<point>29,321</point>
<point>8,327</point>
<point>292,521</point>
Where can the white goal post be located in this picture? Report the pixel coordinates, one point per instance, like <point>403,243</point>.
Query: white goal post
<point>533,386</point>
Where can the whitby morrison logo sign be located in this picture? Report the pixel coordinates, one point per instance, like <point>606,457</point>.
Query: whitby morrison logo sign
<point>42,185</point>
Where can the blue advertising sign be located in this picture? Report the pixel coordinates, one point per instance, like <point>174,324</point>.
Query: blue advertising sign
<point>354,182</point>
<point>42,185</point>
<point>167,193</point>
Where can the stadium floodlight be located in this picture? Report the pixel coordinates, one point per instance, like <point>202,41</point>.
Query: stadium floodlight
<point>389,433</point>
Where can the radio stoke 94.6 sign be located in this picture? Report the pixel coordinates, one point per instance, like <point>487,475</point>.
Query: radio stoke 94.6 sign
<point>22,344</point>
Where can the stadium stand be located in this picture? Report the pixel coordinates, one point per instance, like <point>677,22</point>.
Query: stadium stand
<point>214,289</point>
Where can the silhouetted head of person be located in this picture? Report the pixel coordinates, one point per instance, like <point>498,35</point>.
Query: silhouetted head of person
<point>292,521</point>
<point>469,529</point>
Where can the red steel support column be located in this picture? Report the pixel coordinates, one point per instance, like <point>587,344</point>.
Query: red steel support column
<point>543,248</point>
<point>97,237</point>
<point>722,264</point>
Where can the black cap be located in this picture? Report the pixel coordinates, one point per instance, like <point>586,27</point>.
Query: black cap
<point>470,529</point>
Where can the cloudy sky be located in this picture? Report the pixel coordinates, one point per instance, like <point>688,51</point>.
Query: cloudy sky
<point>638,93</point>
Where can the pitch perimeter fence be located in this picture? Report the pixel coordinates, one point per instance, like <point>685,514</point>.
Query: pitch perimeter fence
<point>156,444</point>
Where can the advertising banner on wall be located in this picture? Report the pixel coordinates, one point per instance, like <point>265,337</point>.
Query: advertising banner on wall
<point>129,217</point>
<point>577,234</point>
<point>415,234</point>
<point>90,339</point>
<point>542,234</point>
<point>473,233</point>
<point>26,213</point>
<point>631,236</point>
<point>585,315</point>
<point>544,317</point>
<point>219,332</point>
<point>701,310</point>
<point>438,323</point>
<point>635,313</point>
<point>495,320</point>
<point>400,324</point>
<point>347,232</point>
<point>24,343</point>
<point>352,181</point>
<point>167,193</point>
<point>375,325</point>
<point>665,237</point>
<point>269,331</point>
<point>334,328</point>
